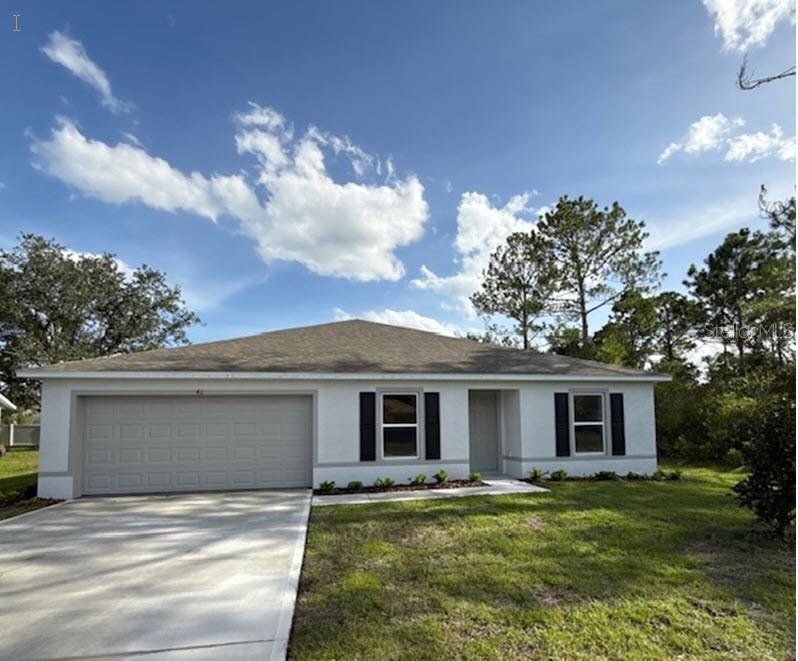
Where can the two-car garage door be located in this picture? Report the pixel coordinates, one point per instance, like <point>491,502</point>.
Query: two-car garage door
<point>164,443</point>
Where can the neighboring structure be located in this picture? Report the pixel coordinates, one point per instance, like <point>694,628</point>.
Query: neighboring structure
<point>6,405</point>
<point>351,400</point>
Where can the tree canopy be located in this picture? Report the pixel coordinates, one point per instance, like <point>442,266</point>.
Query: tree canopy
<point>58,305</point>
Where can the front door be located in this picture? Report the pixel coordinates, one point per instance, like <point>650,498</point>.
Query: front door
<point>483,425</point>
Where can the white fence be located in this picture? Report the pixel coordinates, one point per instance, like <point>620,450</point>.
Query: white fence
<point>19,435</point>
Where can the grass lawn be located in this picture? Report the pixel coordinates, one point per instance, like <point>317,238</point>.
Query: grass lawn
<point>18,470</point>
<point>591,570</point>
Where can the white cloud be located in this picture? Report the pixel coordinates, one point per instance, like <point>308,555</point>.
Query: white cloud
<point>706,134</point>
<point>755,146</point>
<point>481,228</point>
<point>714,132</point>
<point>744,24</point>
<point>348,229</point>
<point>70,53</point>
<point>406,318</point>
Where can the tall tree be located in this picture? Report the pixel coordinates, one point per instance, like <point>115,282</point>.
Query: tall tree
<point>515,284</point>
<point>57,305</point>
<point>593,256</point>
<point>677,317</point>
<point>744,283</point>
<point>628,338</point>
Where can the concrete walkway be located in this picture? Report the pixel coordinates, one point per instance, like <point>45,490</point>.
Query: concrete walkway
<point>178,577</point>
<point>496,487</point>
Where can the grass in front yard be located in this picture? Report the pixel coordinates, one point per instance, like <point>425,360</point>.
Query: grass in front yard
<point>18,474</point>
<point>590,570</point>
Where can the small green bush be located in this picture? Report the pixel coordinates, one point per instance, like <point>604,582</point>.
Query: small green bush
<point>734,458</point>
<point>558,476</point>
<point>379,483</point>
<point>441,476</point>
<point>675,475</point>
<point>355,485</point>
<point>475,476</point>
<point>603,476</point>
<point>631,475</point>
<point>326,486</point>
<point>387,482</point>
<point>660,474</point>
<point>418,480</point>
<point>537,474</point>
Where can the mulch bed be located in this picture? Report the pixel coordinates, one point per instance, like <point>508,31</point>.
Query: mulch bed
<point>449,484</point>
<point>11,509</point>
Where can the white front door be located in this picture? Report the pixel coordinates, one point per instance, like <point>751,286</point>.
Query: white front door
<point>165,443</point>
<point>483,426</point>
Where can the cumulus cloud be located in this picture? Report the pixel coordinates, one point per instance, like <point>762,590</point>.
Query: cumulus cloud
<point>707,133</point>
<point>715,132</point>
<point>71,54</point>
<point>755,146</point>
<point>292,207</point>
<point>481,228</point>
<point>744,24</point>
<point>406,318</point>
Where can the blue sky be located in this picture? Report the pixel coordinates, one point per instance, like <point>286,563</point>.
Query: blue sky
<point>293,163</point>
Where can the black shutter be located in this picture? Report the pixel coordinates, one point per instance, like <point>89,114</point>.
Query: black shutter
<point>432,425</point>
<point>616,423</point>
<point>562,424</point>
<point>368,427</point>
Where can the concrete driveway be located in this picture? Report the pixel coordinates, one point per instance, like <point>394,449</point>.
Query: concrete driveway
<point>201,576</point>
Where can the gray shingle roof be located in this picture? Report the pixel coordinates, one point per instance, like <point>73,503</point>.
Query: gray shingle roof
<point>353,346</point>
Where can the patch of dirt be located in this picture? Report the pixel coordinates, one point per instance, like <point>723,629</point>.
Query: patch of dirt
<point>9,510</point>
<point>552,598</point>
<point>536,523</point>
<point>712,610</point>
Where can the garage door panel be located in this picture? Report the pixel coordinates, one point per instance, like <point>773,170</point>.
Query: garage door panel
<point>146,444</point>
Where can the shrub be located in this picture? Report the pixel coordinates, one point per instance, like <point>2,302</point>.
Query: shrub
<point>631,475</point>
<point>660,474</point>
<point>734,458</point>
<point>355,485</point>
<point>387,482</point>
<point>675,475</point>
<point>769,450</point>
<point>558,476</point>
<point>441,476</point>
<point>326,486</point>
<point>604,476</point>
<point>418,480</point>
<point>536,474</point>
<point>474,476</point>
<point>379,483</point>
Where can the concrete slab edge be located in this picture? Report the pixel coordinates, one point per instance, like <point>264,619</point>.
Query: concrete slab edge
<point>362,499</point>
<point>291,587</point>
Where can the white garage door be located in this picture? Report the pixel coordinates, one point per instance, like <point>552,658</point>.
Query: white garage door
<point>156,444</point>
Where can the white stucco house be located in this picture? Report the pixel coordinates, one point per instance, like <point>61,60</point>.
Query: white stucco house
<point>351,400</point>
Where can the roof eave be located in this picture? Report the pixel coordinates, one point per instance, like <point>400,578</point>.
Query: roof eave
<point>43,373</point>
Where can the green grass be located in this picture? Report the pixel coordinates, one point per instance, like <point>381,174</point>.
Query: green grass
<point>18,471</point>
<point>605,570</point>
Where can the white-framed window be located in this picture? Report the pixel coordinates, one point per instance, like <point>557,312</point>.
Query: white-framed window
<point>399,424</point>
<point>589,429</point>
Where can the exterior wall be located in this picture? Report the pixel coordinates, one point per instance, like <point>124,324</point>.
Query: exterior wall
<point>526,414</point>
<point>537,431</point>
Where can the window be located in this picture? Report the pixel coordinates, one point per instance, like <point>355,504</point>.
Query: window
<point>399,425</point>
<point>588,423</point>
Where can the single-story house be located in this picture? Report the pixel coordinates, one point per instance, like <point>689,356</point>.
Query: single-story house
<point>351,400</point>
<point>7,405</point>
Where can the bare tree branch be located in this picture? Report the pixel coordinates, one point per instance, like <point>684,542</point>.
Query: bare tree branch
<point>746,81</point>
